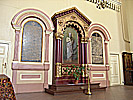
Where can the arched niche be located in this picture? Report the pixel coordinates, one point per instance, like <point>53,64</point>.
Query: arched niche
<point>31,50</point>
<point>70,26</point>
<point>98,60</point>
<point>26,15</point>
<point>73,32</point>
<point>97,44</point>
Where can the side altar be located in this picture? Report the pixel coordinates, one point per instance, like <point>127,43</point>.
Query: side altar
<point>78,45</point>
<point>70,49</point>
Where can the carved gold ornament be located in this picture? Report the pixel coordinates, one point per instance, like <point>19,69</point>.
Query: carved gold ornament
<point>84,39</point>
<point>60,22</point>
<point>58,69</point>
<point>59,35</point>
<point>73,18</point>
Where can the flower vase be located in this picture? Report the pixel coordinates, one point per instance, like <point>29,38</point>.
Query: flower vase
<point>76,81</point>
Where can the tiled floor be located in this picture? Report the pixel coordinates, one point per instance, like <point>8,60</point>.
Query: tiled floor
<point>111,93</point>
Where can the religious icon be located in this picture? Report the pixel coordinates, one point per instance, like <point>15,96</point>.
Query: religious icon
<point>70,50</point>
<point>69,42</point>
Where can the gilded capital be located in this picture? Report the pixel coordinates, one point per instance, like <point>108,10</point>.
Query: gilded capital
<point>84,39</point>
<point>84,65</point>
<point>86,28</point>
<point>59,35</point>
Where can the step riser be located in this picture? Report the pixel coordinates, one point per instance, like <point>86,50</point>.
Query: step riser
<point>67,89</point>
<point>62,93</point>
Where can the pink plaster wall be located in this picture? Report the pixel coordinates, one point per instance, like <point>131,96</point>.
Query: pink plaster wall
<point>24,88</point>
<point>37,87</point>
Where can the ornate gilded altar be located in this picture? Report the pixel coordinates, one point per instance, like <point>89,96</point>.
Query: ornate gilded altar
<point>70,48</point>
<point>80,43</point>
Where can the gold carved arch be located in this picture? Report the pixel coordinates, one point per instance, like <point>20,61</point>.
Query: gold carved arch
<point>68,17</point>
<point>75,25</point>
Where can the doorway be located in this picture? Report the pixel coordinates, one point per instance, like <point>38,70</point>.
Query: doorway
<point>114,70</point>
<point>4,53</point>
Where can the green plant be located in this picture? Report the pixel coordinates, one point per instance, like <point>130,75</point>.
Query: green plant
<point>76,71</point>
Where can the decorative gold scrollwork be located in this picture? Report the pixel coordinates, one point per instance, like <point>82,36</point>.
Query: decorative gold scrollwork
<point>60,22</point>
<point>73,18</point>
<point>59,35</point>
<point>58,70</point>
<point>84,39</point>
<point>86,28</point>
<point>85,71</point>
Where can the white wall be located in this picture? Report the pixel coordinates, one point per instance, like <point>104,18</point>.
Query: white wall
<point>129,14</point>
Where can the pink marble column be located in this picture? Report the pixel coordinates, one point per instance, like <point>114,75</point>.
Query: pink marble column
<point>46,68</point>
<point>106,63</point>
<point>16,50</point>
<point>89,61</point>
<point>107,79</point>
<point>14,80</point>
<point>46,47</point>
<point>89,52</point>
<point>106,53</point>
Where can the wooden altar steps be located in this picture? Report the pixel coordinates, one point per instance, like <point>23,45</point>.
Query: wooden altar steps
<point>72,88</point>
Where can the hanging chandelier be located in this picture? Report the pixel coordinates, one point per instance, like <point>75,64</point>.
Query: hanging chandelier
<point>111,4</point>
